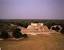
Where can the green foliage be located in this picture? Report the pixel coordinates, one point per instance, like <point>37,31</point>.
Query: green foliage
<point>24,23</point>
<point>49,23</point>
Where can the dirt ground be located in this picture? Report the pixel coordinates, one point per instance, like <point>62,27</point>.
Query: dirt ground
<point>54,41</point>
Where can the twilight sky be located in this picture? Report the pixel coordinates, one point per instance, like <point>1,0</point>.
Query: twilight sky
<point>31,9</point>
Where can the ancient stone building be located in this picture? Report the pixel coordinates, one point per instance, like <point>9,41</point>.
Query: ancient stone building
<point>35,28</point>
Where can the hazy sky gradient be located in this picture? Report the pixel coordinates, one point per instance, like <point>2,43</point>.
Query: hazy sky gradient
<point>31,9</point>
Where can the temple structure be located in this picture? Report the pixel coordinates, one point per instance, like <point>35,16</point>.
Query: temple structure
<point>36,28</point>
